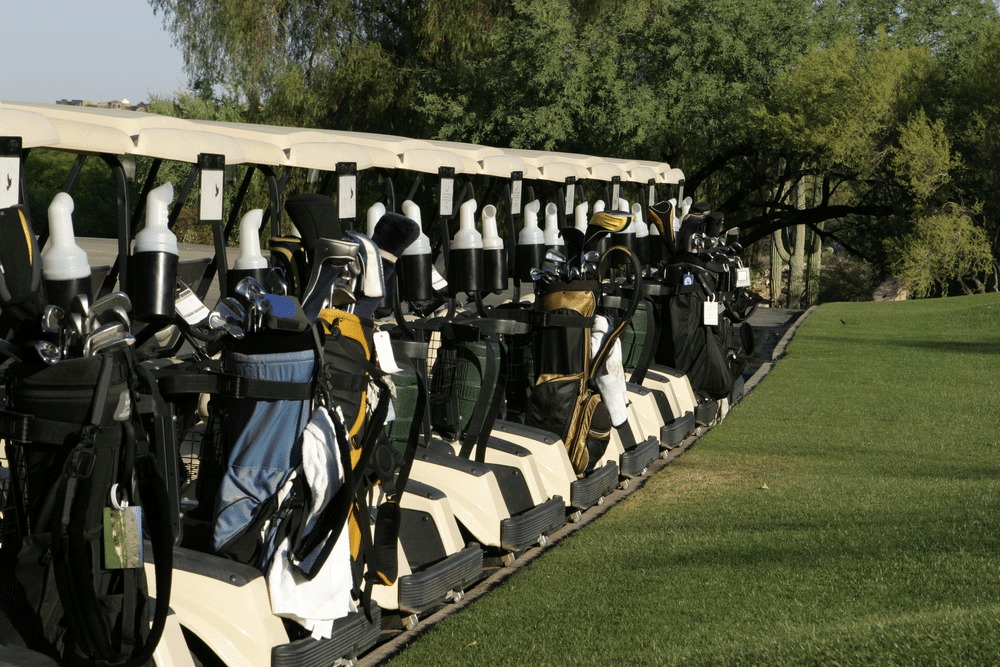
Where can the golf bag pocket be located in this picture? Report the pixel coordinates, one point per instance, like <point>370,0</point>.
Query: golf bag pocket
<point>347,363</point>
<point>554,401</point>
<point>263,440</point>
<point>588,433</point>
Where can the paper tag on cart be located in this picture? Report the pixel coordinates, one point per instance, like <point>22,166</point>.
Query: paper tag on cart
<point>743,277</point>
<point>710,317</point>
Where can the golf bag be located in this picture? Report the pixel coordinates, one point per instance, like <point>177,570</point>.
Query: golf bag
<point>300,414</point>
<point>563,401</point>
<point>86,488</point>
<point>697,336</point>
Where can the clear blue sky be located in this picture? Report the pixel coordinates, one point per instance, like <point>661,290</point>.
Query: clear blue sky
<point>96,50</point>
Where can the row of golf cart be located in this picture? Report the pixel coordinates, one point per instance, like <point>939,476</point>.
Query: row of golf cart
<point>279,457</point>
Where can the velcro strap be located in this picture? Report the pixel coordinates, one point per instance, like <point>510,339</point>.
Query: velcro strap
<point>236,386</point>
<point>28,428</point>
<point>542,319</point>
<point>655,289</point>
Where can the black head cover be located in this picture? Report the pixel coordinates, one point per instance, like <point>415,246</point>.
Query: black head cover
<point>574,239</point>
<point>315,216</point>
<point>713,225</point>
<point>21,294</point>
<point>700,208</point>
<point>393,234</point>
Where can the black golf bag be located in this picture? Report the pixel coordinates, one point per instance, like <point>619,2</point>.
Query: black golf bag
<point>86,492</point>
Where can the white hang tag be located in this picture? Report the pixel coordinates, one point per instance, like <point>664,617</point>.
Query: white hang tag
<point>212,185</point>
<point>710,316</point>
<point>515,197</point>
<point>10,181</point>
<point>446,205</point>
<point>347,196</point>
<point>742,277</point>
<point>383,352</point>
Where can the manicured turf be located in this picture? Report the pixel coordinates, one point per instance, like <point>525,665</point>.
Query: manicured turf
<point>847,512</point>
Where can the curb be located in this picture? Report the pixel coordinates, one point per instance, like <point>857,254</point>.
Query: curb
<point>779,352</point>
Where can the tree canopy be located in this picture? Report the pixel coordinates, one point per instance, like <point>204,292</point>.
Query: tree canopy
<point>883,107</point>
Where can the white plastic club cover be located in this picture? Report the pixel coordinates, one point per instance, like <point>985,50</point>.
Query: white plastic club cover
<point>375,213</point>
<point>422,246</point>
<point>531,233</point>
<point>250,257</point>
<point>491,238</point>
<point>63,259</point>
<point>552,235</point>
<point>467,237</point>
<point>156,236</point>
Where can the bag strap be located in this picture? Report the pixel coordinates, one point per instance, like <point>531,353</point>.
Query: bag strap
<point>237,386</point>
<point>629,312</point>
<point>333,516</point>
<point>649,345</point>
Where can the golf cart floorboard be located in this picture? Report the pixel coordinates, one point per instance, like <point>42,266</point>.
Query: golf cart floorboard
<point>588,491</point>
<point>427,588</point>
<point>637,460</point>
<point>352,636</point>
<point>672,435</point>
<point>523,530</point>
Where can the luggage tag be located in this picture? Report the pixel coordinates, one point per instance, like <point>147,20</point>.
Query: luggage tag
<point>688,280</point>
<point>191,309</point>
<point>383,353</point>
<point>122,534</point>
<point>742,275</point>
<point>710,312</point>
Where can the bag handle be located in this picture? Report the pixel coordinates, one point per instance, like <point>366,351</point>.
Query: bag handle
<point>629,312</point>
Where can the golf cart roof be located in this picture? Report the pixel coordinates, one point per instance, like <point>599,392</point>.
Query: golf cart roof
<point>93,130</point>
<point>124,132</point>
<point>34,129</point>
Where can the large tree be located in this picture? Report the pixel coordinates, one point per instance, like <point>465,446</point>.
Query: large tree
<point>875,104</point>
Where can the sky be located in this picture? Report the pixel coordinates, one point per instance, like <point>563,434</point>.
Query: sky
<point>97,50</point>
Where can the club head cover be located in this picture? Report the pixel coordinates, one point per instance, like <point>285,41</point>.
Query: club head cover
<point>713,224</point>
<point>315,217</point>
<point>660,215</point>
<point>372,283</point>
<point>393,234</point>
<point>330,265</point>
<point>22,295</point>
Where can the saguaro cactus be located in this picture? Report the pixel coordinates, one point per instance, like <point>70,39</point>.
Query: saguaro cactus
<point>804,257</point>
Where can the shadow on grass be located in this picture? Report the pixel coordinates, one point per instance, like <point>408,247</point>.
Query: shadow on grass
<point>954,346</point>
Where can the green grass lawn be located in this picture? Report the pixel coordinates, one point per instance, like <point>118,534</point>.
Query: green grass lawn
<point>847,512</point>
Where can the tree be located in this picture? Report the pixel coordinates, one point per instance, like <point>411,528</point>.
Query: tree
<point>749,97</point>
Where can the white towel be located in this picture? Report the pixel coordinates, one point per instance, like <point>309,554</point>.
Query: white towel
<point>610,377</point>
<point>315,604</point>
